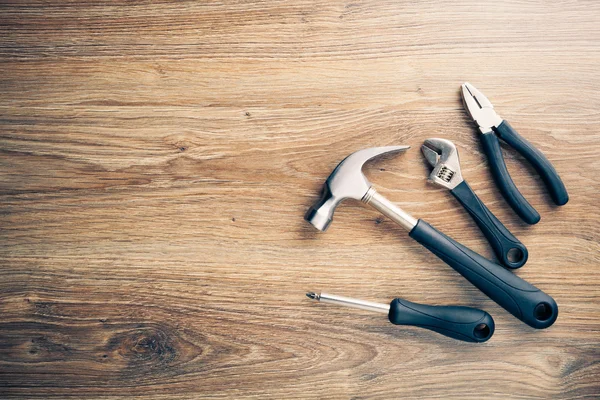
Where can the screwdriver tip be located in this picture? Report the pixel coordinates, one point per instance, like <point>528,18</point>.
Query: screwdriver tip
<point>312,295</point>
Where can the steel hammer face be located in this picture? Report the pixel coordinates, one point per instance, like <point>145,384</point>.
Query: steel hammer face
<point>347,181</point>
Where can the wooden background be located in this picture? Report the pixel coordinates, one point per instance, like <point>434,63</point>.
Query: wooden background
<point>157,159</point>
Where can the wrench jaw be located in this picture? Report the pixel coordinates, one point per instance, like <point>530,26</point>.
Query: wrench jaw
<point>442,155</point>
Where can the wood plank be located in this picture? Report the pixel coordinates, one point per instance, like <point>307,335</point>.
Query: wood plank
<point>157,158</point>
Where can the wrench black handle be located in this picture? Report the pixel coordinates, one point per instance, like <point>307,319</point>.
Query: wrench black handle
<point>515,295</point>
<point>509,250</point>
<point>461,323</point>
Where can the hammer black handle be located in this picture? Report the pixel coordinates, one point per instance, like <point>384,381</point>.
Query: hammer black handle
<point>509,250</point>
<point>515,295</point>
<point>462,323</point>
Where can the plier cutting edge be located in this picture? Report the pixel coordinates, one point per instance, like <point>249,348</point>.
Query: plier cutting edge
<point>493,127</point>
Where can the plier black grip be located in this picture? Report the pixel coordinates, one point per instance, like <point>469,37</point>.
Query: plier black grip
<point>493,127</point>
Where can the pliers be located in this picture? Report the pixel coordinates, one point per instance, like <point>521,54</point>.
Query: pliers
<point>493,127</point>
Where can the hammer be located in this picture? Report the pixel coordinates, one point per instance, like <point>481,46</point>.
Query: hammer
<point>515,295</point>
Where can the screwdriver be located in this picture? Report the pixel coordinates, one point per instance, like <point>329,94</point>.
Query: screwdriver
<point>461,323</point>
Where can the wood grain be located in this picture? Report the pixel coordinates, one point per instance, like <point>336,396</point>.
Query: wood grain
<point>157,158</point>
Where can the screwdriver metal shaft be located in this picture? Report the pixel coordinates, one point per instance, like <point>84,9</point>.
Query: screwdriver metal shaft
<point>349,302</point>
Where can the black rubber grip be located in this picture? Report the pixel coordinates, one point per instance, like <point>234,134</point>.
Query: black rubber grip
<point>555,186</point>
<point>491,146</point>
<point>462,323</point>
<point>520,298</point>
<point>509,250</point>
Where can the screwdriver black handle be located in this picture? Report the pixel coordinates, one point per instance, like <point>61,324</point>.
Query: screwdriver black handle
<point>509,250</point>
<point>461,323</point>
<point>515,295</point>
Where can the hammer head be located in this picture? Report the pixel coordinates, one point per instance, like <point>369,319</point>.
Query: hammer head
<point>347,181</point>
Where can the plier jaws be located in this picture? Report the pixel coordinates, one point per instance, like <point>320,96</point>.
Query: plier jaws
<point>480,109</point>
